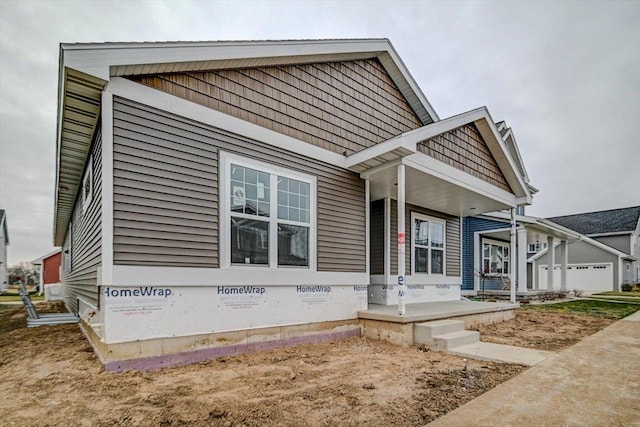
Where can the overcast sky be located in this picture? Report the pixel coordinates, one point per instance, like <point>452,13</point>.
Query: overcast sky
<point>564,75</point>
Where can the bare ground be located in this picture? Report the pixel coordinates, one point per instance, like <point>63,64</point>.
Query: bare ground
<point>543,330</point>
<point>50,376</point>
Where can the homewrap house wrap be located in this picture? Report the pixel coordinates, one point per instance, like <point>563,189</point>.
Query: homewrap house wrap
<point>216,197</point>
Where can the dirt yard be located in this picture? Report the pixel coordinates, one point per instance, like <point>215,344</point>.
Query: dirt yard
<point>543,330</point>
<point>49,376</point>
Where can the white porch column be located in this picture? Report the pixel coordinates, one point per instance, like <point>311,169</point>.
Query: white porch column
<point>367,201</point>
<point>522,259</point>
<point>401,240</point>
<point>512,257</point>
<point>564,257</point>
<point>551,262</point>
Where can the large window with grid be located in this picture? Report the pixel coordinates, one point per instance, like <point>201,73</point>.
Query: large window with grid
<point>270,215</point>
<point>427,244</point>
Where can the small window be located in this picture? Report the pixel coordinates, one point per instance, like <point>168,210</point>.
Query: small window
<point>628,267</point>
<point>536,247</point>
<point>428,244</point>
<point>87,185</point>
<point>495,257</point>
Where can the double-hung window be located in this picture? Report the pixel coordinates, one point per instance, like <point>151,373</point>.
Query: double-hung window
<point>428,244</point>
<point>495,257</point>
<point>270,215</point>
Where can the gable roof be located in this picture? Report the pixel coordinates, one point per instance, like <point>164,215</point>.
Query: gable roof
<point>86,69</point>
<point>601,222</point>
<point>3,223</point>
<point>510,141</point>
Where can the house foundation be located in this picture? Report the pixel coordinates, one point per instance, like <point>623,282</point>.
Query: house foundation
<point>160,353</point>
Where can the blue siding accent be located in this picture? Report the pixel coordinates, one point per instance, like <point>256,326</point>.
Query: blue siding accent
<point>471,225</point>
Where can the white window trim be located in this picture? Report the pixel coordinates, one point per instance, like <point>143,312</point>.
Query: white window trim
<point>508,260</point>
<point>225,161</point>
<point>87,177</point>
<point>430,219</point>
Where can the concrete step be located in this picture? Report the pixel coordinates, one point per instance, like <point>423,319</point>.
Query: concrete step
<point>455,339</point>
<point>502,353</point>
<point>424,332</point>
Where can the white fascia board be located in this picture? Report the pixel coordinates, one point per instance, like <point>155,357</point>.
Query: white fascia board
<point>97,59</point>
<point>431,166</point>
<point>518,156</point>
<point>406,140</point>
<point>397,61</point>
<point>499,143</point>
<point>538,223</point>
<point>124,275</point>
<point>164,101</point>
<point>557,227</point>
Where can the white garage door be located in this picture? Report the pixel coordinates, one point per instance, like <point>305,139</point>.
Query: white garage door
<point>586,277</point>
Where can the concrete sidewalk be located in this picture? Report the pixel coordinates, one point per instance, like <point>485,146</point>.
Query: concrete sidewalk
<point>593,383</point>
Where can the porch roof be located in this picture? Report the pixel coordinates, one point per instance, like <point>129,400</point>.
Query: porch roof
<point>437,185</point>
<point>538,229</point>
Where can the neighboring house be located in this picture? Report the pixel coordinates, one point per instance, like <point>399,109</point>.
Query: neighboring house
<point>233,195</point>
<point>591,266</point>
<point>487,246</point>
<point>50,265</point>
<point>4,242</point>
<point>487,261</point>
<point>612,248</point>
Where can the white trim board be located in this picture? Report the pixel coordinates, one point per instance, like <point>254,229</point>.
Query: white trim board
<point>124,275</point>
<point>105,271</point>
<point>173,104</point>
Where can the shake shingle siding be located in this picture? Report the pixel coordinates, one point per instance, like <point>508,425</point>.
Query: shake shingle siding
<point>166,192</point>
<point>344,107</point>
<point>82,248</point>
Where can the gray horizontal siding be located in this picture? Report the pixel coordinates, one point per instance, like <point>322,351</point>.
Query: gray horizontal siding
<point>85,245</point>
<point>166,192</point>
<point>452,237</point>
<point>621,243</point>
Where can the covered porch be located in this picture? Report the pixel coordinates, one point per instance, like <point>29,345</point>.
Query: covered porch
<point>532,234</point>
<point>418,186</point>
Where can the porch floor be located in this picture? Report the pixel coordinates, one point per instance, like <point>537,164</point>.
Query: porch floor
<point>423,312</point>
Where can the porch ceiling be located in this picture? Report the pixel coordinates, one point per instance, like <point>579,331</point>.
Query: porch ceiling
<point>432,192</point>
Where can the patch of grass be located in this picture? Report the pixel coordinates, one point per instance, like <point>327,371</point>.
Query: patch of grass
<point>632,294</point>
<point>611,310</point>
